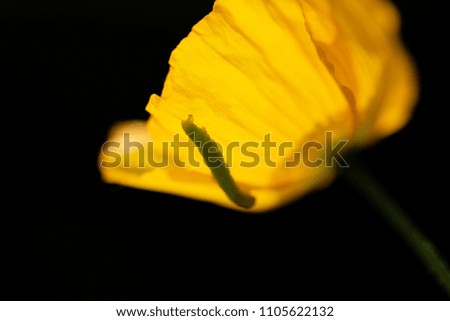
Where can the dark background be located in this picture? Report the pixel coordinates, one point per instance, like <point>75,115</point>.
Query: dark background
<point>71,69</point>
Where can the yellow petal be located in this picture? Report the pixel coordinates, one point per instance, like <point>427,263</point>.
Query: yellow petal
<point>364,53</point>
<point>184,182</point>
<point>243,66</point>
<point>290,69</point>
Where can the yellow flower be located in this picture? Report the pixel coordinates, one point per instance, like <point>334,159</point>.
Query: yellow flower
<point>265,78</point>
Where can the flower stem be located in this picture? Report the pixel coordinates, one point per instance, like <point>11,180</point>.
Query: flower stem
<point>360,177</point>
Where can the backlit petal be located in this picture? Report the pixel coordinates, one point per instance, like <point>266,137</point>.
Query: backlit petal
<point>290,69</point>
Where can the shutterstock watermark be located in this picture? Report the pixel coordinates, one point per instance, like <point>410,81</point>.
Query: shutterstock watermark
<point>312,154</point>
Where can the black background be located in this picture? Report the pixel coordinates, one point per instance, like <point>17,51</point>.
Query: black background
<point>71,69</point>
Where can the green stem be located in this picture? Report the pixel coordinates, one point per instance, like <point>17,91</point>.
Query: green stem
<point>360,178</point>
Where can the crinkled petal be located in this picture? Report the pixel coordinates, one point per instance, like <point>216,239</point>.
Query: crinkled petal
<point>290,69</point>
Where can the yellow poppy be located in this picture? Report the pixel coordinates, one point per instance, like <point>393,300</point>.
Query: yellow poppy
<point>265,78</point>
